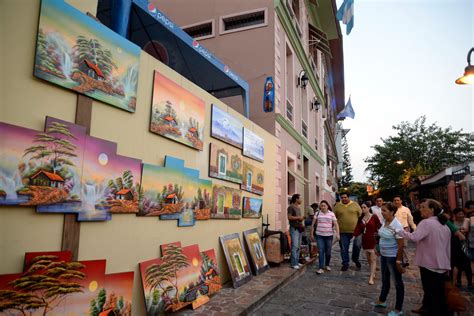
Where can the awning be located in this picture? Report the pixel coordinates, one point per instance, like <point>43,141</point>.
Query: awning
<point>146,26</point>
<point>318,40</point>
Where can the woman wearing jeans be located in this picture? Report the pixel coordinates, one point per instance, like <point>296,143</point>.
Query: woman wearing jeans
<point>323,227</point>
<point>391,250</point>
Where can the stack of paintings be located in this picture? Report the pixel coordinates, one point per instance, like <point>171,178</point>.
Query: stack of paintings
<point>63,170</point>
<point>76,52</point>
<point>51,284</point>
<point>182,276</point>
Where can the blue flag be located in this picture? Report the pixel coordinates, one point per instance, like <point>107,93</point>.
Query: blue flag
<point>348,111</point>
<point>346,14</point>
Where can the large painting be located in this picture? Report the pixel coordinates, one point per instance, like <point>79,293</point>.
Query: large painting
<point>176,113</point>
<point>252,207</point>
<point>172,189</point>
<point>181,277</point>
<point>236,259</point>
<point>52,284</point>
<point>225,163</point>
<point>226,127</point>
<point>77,52</point>
<point>226,203</point>
<point>253,179</point>
<point>255,250</point>
<point>63,170</point>
<point>253,145</point>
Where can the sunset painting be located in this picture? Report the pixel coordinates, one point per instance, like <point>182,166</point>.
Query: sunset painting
<point>176,113</point>
<point>76,52</point>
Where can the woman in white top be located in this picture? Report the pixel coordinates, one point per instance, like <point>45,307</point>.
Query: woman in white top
<point>323,227</point>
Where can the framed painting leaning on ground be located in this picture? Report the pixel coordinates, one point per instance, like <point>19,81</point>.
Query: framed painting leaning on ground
<point>255,250</point>
<point>236,259</point>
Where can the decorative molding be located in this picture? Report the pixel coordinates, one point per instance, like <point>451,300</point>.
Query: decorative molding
<point>300,139</point>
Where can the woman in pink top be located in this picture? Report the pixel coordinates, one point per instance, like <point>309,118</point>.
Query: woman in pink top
<point>324,227</point>
<point>433,251</point>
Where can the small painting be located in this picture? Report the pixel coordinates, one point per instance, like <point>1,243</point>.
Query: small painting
<point>76,52</point>
<point>186,218</point>
<point>252,207</point>
<point>226,203</point>
<point>236,259</point>
<point>253,179</point>
<point>268,95</point>
<point>226,127</point>
<point>255,250</point>
<point>176,113</point>
<point>210,271</point>
<point>225,163</point>
<point>167,217</point>
<point>253,145</point>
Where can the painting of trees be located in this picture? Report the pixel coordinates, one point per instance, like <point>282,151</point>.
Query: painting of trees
<point>123,182</point>
<point>170,189</point>
<point>46,57</point>
<point>163,277</point>
<point>44,285</point>
<point>92,50</point>
<point>193,123</point>
<point>55,146</point>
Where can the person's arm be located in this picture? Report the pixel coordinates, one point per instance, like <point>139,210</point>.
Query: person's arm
<point>358,230</point>
<point>336,227</point>
<point>313,227</point>
<point>399,259</point>
<point>411,223</point>
<point>465,226</point>
<point>417,235</point>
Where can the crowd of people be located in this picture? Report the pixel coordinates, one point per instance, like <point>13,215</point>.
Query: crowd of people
<point>444,241</point>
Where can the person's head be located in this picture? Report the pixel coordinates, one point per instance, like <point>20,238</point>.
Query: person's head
<point>345,198</point>
<point>379,202</point>
<point>397,200</point>
<point>296,199</point>
<point>314,206</point>
<point>430,207</point>
<point>324,206</point>
<point>364,206</point>
<point>458,214</point>
<point>388,211</point>
<point>469,206</point>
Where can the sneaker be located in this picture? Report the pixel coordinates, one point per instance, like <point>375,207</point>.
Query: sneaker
<point>295,267</point>
<point>300,265</point>
<point>328,268</point>
<point>395,313</point>
<point>319,271</point>
<point>379,304</point>
<point>344,268</point>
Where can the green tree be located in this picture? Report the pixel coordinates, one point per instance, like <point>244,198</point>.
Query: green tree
<point>92,50</point>
<point>55,144</point>
<point>417,149</point>
<point>346,180</point>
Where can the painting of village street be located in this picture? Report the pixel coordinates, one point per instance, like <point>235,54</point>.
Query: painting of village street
<point>236,259</point>
<point>174,188</point>
<point>253,146</point>
<point>252,207</point>
<point>255,249</point>
<point>78,53</point>
<point>62,170</point>
<point>225,163</point>
<point>181,277</point>
<point>226,127</point>
<point>176,113</point>
<point>253,179</point>
<point>226,203</point>
<point>52,284</point>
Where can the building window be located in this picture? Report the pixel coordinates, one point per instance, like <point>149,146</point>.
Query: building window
<point>304,129</point>
<point>249,181</point>
<point>243,21</point>
<point>201,30</point>
<point>289,111</point>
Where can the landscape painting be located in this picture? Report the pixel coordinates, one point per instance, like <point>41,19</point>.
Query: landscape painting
<point>173,188</point>
<point>76,52</point>
<point>226,203</point>
<point>225,163</point>
<point>226,127</point>
<point>236,259</point>
<point>256,253</point>
<point>254,146</point>
<point>52,284</point>
<point>253,179</point>
<point>181,277</point>
<point>252,207</point>
<point>186,218</point>
<point>176,113</point>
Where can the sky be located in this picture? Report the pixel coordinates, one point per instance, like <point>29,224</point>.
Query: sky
<point>400,62</point>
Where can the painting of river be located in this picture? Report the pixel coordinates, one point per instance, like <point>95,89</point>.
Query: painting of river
<point>77,52</point>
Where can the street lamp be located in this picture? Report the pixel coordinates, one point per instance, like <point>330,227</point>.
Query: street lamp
<point>468,77</point>
<point>303,79</point>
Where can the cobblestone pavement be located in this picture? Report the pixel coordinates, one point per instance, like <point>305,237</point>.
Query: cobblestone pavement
<point>344,293</point>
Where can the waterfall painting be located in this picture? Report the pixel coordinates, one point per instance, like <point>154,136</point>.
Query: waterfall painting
<point>226,127</point>
<point>253,178</point>
<point>225,162</point>
<point>182,276</point>
<point>62,170</point>
<point>254,248</point>
<point>52,284</point>
<point>76,52</point>
<point>253,145</point>
<point>172,189</point>
<point>226,203</point>
<point>176,113</point>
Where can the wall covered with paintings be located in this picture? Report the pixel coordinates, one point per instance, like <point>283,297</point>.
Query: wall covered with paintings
<point>126,239</point>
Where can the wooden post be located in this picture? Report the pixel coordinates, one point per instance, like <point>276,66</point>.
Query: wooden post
<point>71,227</point>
